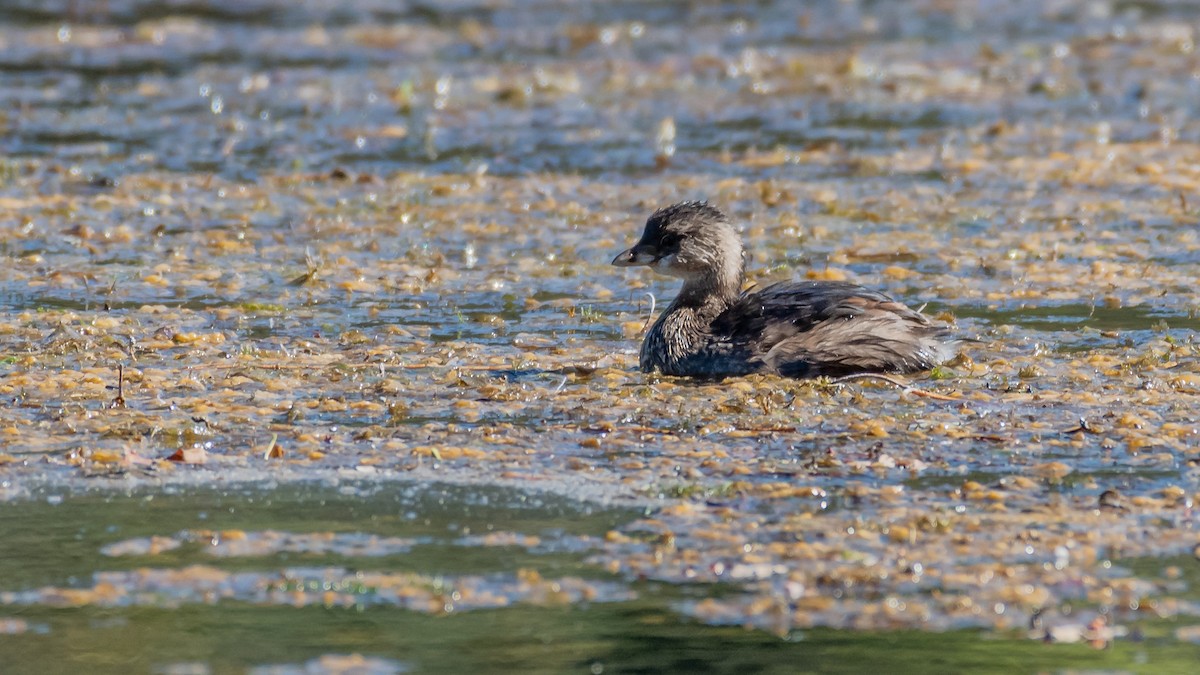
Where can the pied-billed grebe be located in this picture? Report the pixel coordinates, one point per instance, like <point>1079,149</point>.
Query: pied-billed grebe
<point>795,329</point>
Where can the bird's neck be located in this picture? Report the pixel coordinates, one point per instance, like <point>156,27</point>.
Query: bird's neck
<point>714,290</point>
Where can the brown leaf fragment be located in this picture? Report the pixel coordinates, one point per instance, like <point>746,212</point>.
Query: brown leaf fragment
<point>193,455</point>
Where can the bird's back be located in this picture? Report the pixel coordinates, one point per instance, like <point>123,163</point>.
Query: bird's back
<point>812,329</point>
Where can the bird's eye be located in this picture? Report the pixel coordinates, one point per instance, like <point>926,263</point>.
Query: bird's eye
<point>668,241</point>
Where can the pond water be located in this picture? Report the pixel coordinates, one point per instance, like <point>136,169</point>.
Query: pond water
<point>358,577</point>
<point>352,258</point>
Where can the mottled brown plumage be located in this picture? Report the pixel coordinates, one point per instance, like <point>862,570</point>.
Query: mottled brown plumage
<point>794,329</point>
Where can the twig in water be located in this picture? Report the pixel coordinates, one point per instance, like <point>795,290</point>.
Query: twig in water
<point>273,450</point>
<point>649,318</point>
<point>119,401</point>
<point>562,383</point>
<point>896,382</point>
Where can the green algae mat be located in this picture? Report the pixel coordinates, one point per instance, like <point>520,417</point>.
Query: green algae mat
<point>312,359</point>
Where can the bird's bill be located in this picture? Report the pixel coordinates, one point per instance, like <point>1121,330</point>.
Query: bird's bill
<point>635,257</point>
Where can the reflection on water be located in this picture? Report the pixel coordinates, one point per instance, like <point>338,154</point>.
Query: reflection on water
<point>452,534</point>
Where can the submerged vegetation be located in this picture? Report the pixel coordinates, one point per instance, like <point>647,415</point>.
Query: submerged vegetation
<point>366,247</point>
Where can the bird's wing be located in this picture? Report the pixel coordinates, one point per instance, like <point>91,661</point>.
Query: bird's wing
<point>806,329</point>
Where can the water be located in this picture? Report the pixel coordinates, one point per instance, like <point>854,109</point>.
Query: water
<point>275,243</point>
<point>68,541</point>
